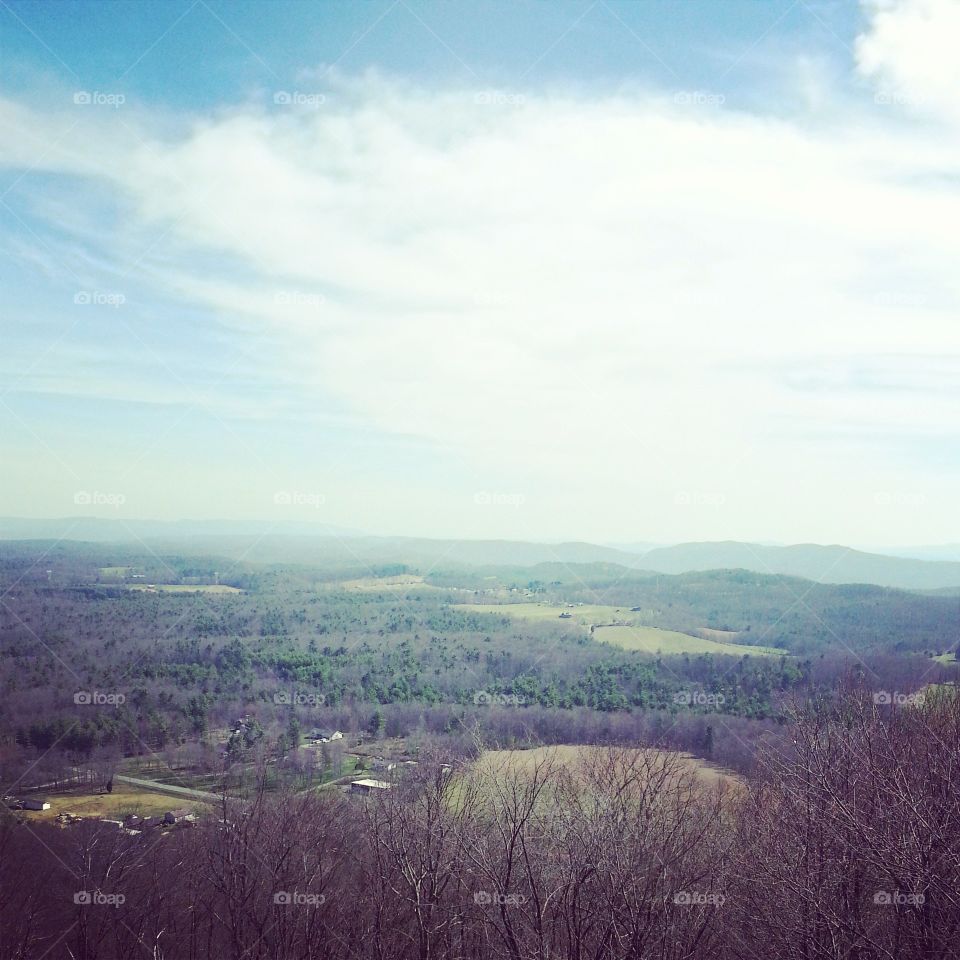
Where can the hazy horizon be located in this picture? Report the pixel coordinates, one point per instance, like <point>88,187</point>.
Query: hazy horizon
<point>266,526</point>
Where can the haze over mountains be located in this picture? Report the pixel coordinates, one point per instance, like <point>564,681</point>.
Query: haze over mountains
<point>294,542</point>
<point>825,563</point>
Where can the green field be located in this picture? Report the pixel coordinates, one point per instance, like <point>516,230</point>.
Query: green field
<point>624,628</point>
<point>655,640</point>
<point>124,800</point>
<point>397,583</point>
<point>185,588</point>
<point>587,614</point>
<point>571,756</point>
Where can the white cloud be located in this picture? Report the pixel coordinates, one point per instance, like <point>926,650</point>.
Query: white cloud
<point>625,292</point>
<point>910,49</point>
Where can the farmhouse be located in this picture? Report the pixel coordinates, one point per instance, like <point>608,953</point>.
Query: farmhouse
<point>368,786</point>
<point>325,736</point>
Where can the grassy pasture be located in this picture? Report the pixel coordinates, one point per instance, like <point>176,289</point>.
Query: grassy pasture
<point>586,615</point>
<point>655,640</point>
<point>184,588</point>
<point>403,581</point>
<point>623,627</point>
<point>721,636</point>
<point>573,756</point>
<point>494,777</point>
<point>123,800</point>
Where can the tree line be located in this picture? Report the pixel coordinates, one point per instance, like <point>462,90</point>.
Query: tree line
<point>845,846</point>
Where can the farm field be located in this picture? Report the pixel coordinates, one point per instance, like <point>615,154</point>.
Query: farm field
<point>572,755</point>
<point>623,628</point>
<point>184,588</point>
<point>655,640</point>
<point>723,636</point>
<point>123,801</point>
<point>588,614</point>
<point>405,581</point>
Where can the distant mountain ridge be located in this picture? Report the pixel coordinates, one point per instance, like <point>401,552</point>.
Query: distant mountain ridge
<point>823,563</point>
<point>121,530</point>
<point>306,543</point>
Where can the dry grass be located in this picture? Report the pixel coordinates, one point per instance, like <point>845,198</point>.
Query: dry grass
<point>184,588</point>
<point>403,581</point>
<point>572,756</point>
<point>624,628</point>
<point>722,636</point>
<point>110,805</point>
<point>655,640</point>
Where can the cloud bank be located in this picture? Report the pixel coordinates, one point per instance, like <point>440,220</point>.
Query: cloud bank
<point>653,296</point>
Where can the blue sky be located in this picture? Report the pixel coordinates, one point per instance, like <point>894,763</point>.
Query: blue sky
<point>544,270</point>
<point>202,54</point>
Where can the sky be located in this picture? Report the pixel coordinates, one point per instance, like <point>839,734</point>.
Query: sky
<point>539,269</point>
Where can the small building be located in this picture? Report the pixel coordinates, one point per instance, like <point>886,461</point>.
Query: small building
<point>325,736</point>
<point>32,804</point>
<point>368,786</point>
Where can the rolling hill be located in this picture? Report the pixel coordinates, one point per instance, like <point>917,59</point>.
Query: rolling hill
<point>824,564</point>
